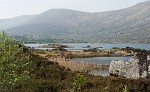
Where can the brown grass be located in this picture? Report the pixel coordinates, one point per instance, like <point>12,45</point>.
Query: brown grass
<point>63,58</point>
<point>82,66</point>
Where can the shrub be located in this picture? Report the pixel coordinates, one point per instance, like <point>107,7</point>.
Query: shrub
<point>14,65</point>
<point>79,81</point>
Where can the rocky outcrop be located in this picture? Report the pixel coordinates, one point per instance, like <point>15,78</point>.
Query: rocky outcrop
<point>134,68</point>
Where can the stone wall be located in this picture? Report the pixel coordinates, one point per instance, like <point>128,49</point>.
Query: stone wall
<point>134,68</point>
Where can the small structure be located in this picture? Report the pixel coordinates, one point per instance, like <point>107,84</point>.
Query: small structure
<point>137,67</point>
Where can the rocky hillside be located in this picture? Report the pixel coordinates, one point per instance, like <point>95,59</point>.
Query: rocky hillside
<point>129,25</point>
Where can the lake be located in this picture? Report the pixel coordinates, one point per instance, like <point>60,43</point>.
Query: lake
<point>96,60</point>
<point>100,60</point>
<point>81,46</point>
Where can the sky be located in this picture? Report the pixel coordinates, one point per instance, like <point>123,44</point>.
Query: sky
<point>13,8</point>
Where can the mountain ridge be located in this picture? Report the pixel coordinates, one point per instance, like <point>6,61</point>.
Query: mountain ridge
<point>129,25</point>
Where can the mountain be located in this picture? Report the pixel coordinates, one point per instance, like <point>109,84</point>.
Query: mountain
<point>129,25</point>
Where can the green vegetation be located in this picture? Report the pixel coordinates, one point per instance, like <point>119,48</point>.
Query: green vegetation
<point>14,65</point>
<point>32,39</point>
<point>79,81</point>
<point>23,71</point>
<point>48,76</point>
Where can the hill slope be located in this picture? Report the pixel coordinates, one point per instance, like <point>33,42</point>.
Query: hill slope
<point>130,25</point>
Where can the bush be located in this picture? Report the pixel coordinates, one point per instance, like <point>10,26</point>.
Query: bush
<point>14,65</point>
<point>79,81</point>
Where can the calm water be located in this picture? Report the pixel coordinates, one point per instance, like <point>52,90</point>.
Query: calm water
<point>79,46</point>
<point>82,45</point>
<point>96,60</point>
<point>99,60</point>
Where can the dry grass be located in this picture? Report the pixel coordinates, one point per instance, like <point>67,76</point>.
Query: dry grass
<point>82,66</point>
<point>63,58</point>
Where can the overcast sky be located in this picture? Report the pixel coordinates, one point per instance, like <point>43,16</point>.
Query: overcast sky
<point>13,8</point>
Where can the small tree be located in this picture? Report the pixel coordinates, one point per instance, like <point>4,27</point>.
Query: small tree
<point>79,81</point>
<point>14,65</point>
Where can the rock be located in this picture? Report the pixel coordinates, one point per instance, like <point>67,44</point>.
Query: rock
<point>135,68</point>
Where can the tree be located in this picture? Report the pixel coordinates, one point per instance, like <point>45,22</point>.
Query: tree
<point>14,64</point>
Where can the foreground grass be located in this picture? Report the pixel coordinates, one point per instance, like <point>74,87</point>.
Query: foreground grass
<point>48,76</point>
